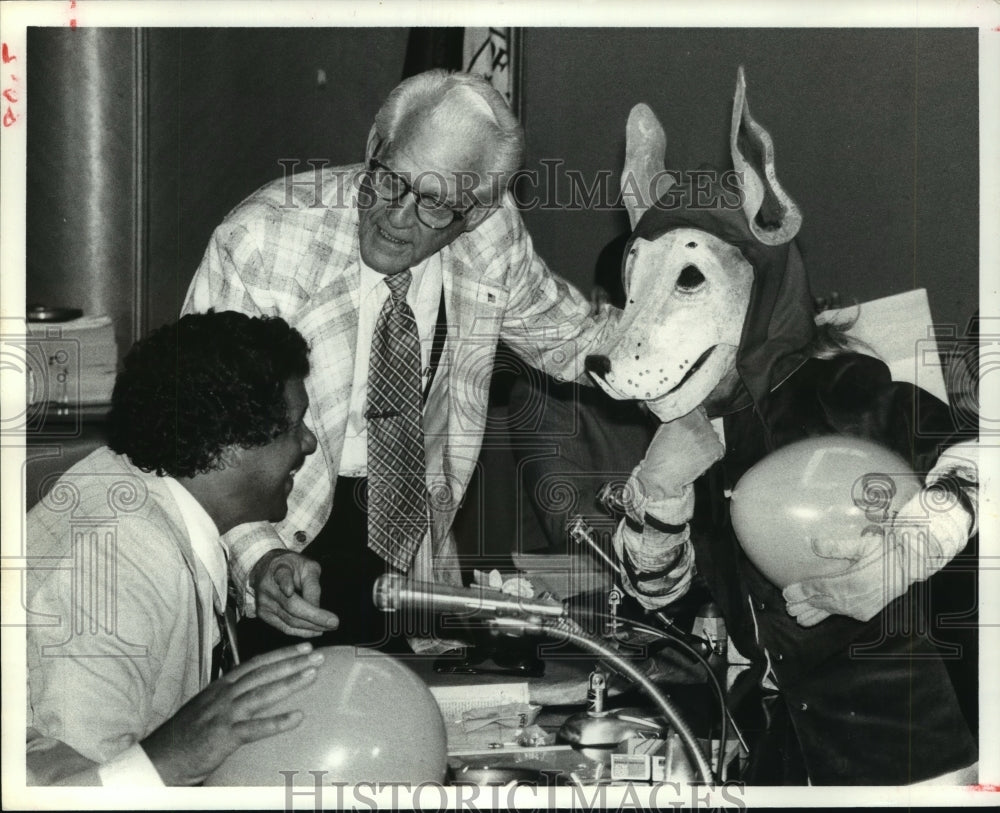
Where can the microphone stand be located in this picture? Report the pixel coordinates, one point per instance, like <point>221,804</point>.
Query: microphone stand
<point>564,628</point>
<point>551,620</point>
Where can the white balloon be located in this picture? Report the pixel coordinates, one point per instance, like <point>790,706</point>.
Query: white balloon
<point>368,718</point>
<point>828,488</point>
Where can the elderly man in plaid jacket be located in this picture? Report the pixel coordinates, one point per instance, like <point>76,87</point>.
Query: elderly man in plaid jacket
<point>432,200</point>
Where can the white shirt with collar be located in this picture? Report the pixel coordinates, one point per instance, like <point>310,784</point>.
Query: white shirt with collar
<point>424,297</point>
<point>132,767</point>
<point>206,544</point>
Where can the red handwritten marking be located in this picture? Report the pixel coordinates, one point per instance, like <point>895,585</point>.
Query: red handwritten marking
<point>9,116</point>
<point>988,788</point>
<point>72,23</point>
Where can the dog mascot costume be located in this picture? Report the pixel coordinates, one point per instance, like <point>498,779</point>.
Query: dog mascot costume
<point>719,339</point>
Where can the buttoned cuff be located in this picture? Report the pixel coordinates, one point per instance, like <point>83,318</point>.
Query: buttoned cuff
<point>239,570</point>
<point>130,768</point>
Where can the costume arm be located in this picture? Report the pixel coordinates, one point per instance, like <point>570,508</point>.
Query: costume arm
<point>653,540</point>
<point>657,565</point>
<point>957,472</point>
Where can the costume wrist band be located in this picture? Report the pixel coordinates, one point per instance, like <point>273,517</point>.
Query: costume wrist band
<point>655,524</point>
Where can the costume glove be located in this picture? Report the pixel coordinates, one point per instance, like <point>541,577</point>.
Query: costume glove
<point>929,530</point>
<point>653,541</point>
<point>679,453</point>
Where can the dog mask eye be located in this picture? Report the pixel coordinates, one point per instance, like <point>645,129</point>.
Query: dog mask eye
<point>627,270</point>
<point>690,278</point>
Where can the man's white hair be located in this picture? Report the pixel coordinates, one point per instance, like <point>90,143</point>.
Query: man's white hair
<point>468,108</point>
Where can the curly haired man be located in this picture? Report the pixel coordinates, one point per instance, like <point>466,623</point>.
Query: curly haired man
<point>128,571</point>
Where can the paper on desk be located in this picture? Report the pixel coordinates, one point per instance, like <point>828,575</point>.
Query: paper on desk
<point>563,575</point>
<point>456,700</point>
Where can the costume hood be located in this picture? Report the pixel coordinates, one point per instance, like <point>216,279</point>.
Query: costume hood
<point>779,326</point>
<point>748,210</point>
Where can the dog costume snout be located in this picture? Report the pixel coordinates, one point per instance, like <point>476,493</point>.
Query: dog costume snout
<point>598,365</point>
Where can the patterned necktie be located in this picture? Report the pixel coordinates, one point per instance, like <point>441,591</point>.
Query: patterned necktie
<point>397,491</point>
<point>224,654</point>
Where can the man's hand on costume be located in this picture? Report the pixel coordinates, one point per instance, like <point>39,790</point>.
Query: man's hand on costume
<point>230,712</point>
<point>880,567</point>
<point>286,585</point>
<point>599,299</point>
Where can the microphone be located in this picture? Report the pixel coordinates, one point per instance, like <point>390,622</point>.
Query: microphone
<point>393,592</point>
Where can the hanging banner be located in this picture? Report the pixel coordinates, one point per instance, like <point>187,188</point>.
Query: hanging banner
<point>496,54</point>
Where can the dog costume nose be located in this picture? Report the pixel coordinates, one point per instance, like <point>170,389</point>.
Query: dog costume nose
<point>598,365</point>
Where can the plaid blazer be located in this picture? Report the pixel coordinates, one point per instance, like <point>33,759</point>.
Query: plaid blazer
<point>291,249</point>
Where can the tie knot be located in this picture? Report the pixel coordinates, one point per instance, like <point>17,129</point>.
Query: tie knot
<point>398,284</point>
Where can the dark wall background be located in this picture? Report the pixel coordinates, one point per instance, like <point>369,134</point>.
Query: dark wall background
<point>226,105</point>
<point>875,132</point>
<point>876,135</point>
<point>140,142</point>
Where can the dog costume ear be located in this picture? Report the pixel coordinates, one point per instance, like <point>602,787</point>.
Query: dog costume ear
<point>771,214</point>
<point>644,178</point>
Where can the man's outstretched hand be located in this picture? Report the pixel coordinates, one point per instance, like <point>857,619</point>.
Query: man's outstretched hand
<point>230,712</point>
<point>286,585</point>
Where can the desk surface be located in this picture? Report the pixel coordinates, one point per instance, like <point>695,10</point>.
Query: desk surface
<point>567,670</point>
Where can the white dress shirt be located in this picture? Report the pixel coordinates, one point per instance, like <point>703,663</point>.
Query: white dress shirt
<point>424,297</point>
<point>206,544</point>
<point>132,767</point>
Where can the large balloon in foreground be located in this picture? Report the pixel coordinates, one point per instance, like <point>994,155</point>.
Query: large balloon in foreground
<point>832,488</point>
<point>368,718</point>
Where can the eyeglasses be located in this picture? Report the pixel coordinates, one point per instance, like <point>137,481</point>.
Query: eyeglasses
<point>391,186</point>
